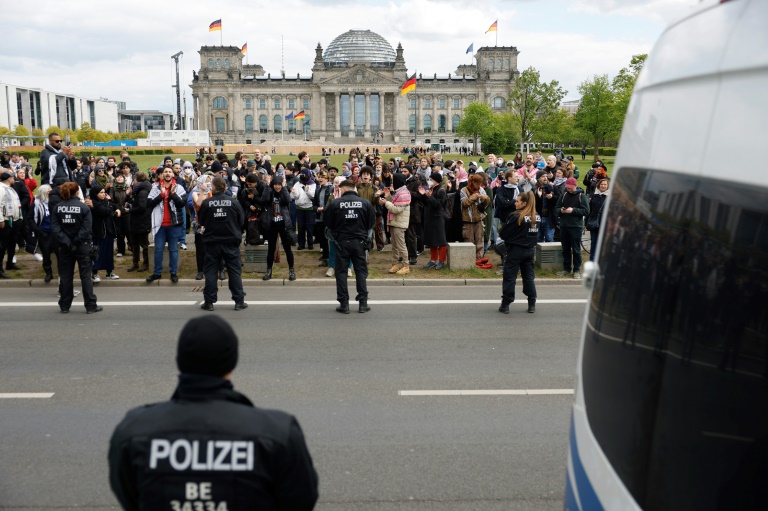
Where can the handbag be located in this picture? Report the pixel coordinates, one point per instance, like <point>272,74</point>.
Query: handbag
<point>253,234</point>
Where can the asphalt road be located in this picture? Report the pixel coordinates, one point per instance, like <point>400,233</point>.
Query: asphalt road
<point>373,448</point>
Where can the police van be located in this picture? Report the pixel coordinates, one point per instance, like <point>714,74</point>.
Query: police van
<point>671,406</point>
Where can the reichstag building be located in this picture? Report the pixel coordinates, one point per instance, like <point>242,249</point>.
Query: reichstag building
<point>352,95</point>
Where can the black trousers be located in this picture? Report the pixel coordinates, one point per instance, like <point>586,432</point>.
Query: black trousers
<point>320,237</point>
<point>412,236</point>
<point>139,240</point>
<point>351,250</point>
<point>122,232</point>
<point>215,252</point>
<point>278,228</point>
<point>45,244</point>
<point>67,258</point>
<point>570,238</point>
<point>518,259</point>
<point>8,235</point>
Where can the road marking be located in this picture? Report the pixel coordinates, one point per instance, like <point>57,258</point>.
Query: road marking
<point>500,392</point>
<point>26,395</point>
<point>296,302</point>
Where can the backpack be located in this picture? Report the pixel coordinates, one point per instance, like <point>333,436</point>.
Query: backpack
<point>448,206</point>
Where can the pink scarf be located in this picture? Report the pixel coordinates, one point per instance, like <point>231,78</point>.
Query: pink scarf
<point>402,197</point>
<point>461,175</point>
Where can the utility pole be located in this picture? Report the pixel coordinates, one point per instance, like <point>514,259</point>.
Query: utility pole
<point>178,90</point>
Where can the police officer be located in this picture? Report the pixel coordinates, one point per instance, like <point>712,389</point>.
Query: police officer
<point>209,447</point>
<point>71,224</point>
<point>350,219</point>
<point>520,233</point>
<point>222,218</point>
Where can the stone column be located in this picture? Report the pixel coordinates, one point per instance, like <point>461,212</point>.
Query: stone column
<point>352,114</point>
<point>338,115</point>
<point>367,114</point>
<point>449,119</point>
<point>323,114</point>
<point>195,111</point>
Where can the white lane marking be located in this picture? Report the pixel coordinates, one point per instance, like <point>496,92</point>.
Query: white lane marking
<point>500,392</point>
<point>299,302</point>
<point>26,395</point>
<point>106,304</point>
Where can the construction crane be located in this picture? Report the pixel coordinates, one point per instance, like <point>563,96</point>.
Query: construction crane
<point>178,91</point>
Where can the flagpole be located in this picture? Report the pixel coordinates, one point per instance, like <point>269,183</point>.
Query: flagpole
<point>221,35</point>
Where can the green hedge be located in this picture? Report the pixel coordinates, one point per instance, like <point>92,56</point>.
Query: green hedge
<point>603,151</point>
<point>98,151</point>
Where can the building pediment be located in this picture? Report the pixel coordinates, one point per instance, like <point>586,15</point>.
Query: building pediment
<point>359,75</point>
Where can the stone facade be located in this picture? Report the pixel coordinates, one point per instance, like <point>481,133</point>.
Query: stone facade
<point>345,100</point>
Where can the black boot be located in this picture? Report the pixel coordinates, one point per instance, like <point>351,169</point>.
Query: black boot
<point>343,308</point>
<point>363,306</point>
<point>504,307</point>
<point>291,274</point>
<point>267,275</point>
<point>531,306</point>
<point>48,277</point>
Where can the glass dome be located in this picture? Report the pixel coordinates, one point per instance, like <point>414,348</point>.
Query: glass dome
<point>359,46</point>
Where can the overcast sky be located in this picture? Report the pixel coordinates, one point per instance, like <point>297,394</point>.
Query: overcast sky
<point>121,50</point>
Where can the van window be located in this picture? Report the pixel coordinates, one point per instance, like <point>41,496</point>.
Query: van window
<point>674,371</point>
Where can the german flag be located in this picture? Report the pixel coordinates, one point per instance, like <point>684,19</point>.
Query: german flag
<point>493,27</point>
<point>299,115</point>
<point>409,85</point>
<point>244,49</point>
<point>213,27</point>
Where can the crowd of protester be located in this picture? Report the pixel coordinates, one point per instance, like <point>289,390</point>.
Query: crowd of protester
<point>422,203</point>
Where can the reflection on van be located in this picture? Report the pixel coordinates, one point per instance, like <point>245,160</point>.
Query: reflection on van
<point>675,358</point>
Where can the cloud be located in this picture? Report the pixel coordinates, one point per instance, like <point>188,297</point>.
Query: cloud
<point>122,51</point>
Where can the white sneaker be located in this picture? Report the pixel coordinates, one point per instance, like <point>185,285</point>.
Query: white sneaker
<point>118,255</point>
<point>112,276</point>
<point>14,259</point>
<point>75,293</point>
<point>330,273</point>
<point>183,246</point>
<point>562,273</point>
<point>350,273</point>
<point>576,275</point>
<point>96,279</point>
<point>38,257</point>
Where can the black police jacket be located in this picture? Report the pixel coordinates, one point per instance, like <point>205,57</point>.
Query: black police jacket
<point>223,219</point>
<point>350,217</point>
<point>210,448</point>
<point>71,222</point>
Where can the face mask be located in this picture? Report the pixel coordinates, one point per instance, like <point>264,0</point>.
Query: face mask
<point>430,183</point>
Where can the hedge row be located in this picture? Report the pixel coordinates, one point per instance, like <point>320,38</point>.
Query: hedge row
<point>87,151</point>
<point>603,151</point>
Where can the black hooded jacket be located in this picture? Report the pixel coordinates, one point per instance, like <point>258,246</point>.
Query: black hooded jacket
<point>209,444</point>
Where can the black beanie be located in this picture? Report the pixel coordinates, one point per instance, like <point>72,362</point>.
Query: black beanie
<point>207,345</point>
<point>436,177</point>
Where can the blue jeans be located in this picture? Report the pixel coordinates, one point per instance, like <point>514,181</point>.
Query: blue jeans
<point>170,235</point>
<point>547,231</point>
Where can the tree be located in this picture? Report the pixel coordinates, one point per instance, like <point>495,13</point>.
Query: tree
<point>53,129</point>
<point>597,112</point>
<point>20,130</point>
<point>624,84</point>
<point>534,104</point>
<point>39,136</point>
<point>5,131</point>
<point>476,122</point>
<point>498,138</point>
<point>86,133</point>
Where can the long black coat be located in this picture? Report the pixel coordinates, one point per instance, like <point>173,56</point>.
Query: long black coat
<point>434,224</point>
<point>140,215</point>
<point>267,198</point>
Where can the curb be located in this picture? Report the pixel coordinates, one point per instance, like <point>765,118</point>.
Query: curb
<point>165,282</point>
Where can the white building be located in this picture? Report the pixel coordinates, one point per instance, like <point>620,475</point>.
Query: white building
<point>37,108</point>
